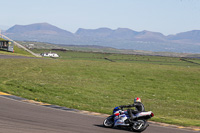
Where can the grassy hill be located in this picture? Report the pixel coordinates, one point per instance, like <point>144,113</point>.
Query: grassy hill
<point>17,51</point>
<point>100,81</point>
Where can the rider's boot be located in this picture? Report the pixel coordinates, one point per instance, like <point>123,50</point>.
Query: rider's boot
<point>131,115</point>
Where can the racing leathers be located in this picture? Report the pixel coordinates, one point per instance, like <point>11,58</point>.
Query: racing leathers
<point>139,107</point>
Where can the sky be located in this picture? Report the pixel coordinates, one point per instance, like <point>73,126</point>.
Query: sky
<point>164,16</point>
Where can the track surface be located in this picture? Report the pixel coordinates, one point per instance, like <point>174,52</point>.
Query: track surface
<point>21,117</point>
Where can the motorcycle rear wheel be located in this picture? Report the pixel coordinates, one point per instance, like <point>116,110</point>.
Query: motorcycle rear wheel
<point>140,127</point>
<point>108,122</point>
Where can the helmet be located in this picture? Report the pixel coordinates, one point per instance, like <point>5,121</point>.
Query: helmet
<point>137,100</point>
<point>115,109</point>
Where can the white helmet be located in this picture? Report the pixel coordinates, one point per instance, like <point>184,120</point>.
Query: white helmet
<point>137,100</point>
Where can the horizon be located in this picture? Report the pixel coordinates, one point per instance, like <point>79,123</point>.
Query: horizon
<point>167,17</point>
<point>90,29</point>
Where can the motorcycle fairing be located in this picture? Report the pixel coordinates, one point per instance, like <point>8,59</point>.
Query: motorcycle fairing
<point>119,120</point>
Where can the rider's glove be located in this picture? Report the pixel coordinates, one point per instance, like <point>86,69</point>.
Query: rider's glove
<point>121,107</point>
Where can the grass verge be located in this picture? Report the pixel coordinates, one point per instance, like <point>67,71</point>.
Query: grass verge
<point>170,91</point>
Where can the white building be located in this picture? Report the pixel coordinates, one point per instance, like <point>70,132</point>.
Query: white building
<point>50,54</point>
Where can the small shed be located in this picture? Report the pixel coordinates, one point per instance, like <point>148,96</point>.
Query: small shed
<point>5,45</point>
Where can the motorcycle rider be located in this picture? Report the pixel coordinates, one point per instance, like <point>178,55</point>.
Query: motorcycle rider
<point>137,104</point>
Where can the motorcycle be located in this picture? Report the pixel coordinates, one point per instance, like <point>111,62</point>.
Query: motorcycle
<point>120,118</point>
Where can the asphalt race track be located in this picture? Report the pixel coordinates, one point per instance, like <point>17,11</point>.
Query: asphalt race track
<point>21,117</point>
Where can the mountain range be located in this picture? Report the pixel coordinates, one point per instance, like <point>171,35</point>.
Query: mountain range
<point>121,38</point>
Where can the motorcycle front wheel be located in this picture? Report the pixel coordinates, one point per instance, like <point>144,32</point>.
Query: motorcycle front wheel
<point>108,122</point>
<point>140,126</point>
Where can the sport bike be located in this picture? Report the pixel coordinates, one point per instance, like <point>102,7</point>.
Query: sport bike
<point>120,119</point>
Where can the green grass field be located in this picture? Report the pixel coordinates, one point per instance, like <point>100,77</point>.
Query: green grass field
<point>87,81</point>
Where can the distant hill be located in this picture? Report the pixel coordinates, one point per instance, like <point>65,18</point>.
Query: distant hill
<point>101,32</point>
<point>44,28</point>
<point>42,32</point>
<point>186,37</point>
<point>121,38</point>
<point>120,34</point>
